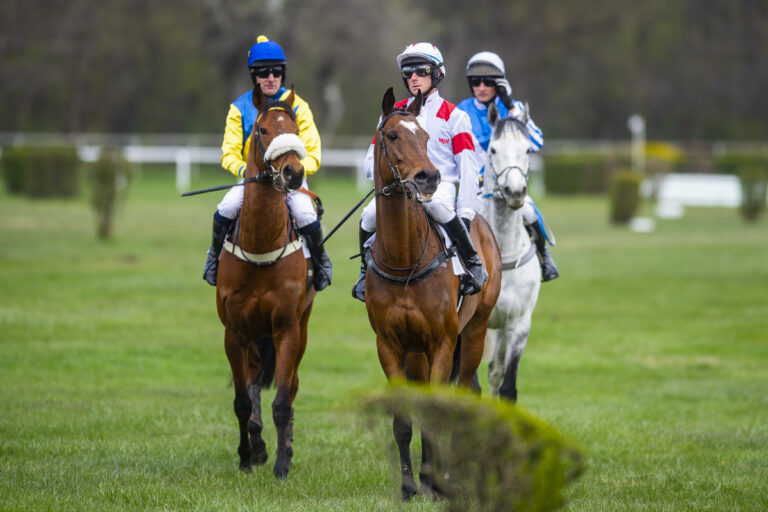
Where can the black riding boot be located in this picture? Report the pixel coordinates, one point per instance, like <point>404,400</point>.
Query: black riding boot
<point>548,267</point>
<point>221,227</point>
<point>476,274</point>
<point>358,291</point>
<point>314,237</point>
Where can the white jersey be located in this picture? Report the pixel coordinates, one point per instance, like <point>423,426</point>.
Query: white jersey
<point>451,146</point>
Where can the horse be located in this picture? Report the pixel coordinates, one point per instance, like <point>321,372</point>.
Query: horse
<point>504,192</point>
<point>411,292</point>
<point>263,293</point>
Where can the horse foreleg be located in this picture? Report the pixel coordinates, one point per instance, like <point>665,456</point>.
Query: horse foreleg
<point>259,454</point>
<point>285,367</point>
<point>403,431</point>
<point>516,340</point>
<point>236,354</point>
<point>472,345</point>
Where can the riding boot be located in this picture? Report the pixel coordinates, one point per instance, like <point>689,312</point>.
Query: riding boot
<point>358,291</point>
<point>548,267</point>
<point>221,227</point>
<point>476,274</point>
<point>313,234</point>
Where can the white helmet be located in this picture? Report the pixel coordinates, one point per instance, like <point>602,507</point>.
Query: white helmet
<point>486,64</point>
<point>422,51</point>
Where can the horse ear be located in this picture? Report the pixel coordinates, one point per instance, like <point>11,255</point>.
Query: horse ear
<point>527,112</point>
<point>258,98</point>
<point>388,102</point>
<point>493,114</point>
<point>415,106</point>
<point>289,99</point>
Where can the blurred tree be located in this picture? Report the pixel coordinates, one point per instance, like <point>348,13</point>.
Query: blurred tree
<point>694,68</point>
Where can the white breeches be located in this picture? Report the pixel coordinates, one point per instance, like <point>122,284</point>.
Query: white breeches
<point>300,204</point>
<point>440,208</point>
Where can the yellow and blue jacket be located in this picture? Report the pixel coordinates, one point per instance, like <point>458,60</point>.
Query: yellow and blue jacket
<point>237,133</point>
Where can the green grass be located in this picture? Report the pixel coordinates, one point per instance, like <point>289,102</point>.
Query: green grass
<point>650,351</point>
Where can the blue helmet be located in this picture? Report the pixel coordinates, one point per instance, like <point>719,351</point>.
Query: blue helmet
<point>265,53</point>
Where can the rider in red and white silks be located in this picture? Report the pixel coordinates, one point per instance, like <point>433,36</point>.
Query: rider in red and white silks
<point>451,148</point>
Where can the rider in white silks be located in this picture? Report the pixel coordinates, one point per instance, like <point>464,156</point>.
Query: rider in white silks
<point>451,148</point>
<point>487,81</point>
<point>266,64</point>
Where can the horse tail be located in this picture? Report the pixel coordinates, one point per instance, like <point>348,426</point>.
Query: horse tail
<point>266,348</point>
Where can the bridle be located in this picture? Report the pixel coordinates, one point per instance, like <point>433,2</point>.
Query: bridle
<point>400,186</point>
<point>270,175</point>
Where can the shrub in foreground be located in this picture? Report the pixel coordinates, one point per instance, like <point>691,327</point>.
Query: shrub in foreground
<point>491,455</point>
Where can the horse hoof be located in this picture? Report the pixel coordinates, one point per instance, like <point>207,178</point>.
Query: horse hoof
<point>259,457</point>
<point>245,467</point>
<point>408,493</point>
<point>281,473</point>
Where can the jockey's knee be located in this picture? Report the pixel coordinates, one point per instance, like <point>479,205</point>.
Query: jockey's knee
<point>529,214</point>
<point>368,217</point>
<point>231,203</point>
<point>440,212</point>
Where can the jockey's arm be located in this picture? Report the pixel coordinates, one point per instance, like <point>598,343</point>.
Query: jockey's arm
<point>232,158</point>
<point>310,136</point>
<point>468,161</point>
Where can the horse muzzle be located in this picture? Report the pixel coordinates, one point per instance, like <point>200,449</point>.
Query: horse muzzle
<point>292,176</point>
<point>427,181</point>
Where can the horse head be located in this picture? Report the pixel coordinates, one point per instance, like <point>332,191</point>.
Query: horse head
<point>402,151</point>
<point>507,158</point>
<point>277,142</point>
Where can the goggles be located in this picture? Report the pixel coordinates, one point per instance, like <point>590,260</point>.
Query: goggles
<point>276,71</point>
<point>489,81</point>
<point>420,69</point>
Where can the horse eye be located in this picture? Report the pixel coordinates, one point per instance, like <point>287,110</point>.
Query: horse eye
<point>493,151</point>
<point>263,131</point>
<point>392,136</point>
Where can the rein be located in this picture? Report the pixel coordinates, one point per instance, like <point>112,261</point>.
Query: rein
<point>496,193</point>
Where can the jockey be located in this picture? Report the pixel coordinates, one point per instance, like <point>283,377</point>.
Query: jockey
<point>266,64</point>
<point>451,148</point>
<point>487,81</point>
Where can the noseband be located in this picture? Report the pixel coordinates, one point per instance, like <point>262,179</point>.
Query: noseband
<point>400,186</point>
<point>270,174</point>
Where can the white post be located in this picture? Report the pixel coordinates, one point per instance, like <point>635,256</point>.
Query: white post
<point>636,125</point>
<point>183,169</point>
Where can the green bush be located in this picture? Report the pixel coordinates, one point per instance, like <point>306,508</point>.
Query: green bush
<point>109,179</point>
<point>579,173</point>
<point>625,195</point>
<point>497,455</point>
<point>733,163</point>
<point>754,182</point>
<point>14,163</point>
<point>52,172</point>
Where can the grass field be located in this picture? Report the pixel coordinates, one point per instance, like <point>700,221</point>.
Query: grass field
<point>650,350</point>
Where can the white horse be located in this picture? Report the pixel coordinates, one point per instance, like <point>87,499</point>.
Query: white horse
<point>504,193</point>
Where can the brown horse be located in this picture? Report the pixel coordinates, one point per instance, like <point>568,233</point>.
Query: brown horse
<point>412,305</point>
<point>263,292</point>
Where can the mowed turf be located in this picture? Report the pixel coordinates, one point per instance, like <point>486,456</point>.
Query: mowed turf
<point>650,351</point>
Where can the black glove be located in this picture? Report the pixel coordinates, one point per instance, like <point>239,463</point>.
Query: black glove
<point>504,92</point>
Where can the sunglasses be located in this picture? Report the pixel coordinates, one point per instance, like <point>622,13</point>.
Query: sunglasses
<point>420,70</point>
<point>277,72</point>
<point>475,81</point>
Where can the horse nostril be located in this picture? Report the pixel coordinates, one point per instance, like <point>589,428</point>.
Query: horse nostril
<point>525,191</point>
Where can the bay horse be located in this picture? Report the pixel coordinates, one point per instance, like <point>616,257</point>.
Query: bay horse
<point>411,292</point>
<point>504,192</point>
<point>263,293</point>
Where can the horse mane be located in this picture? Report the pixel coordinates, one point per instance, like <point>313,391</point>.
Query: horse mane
<point>511,124</point>
<point>280,105</point>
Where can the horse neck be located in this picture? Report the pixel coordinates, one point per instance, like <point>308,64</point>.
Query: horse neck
<point>263,218</point>
<point>508,226</point>
<point>401,228</point>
